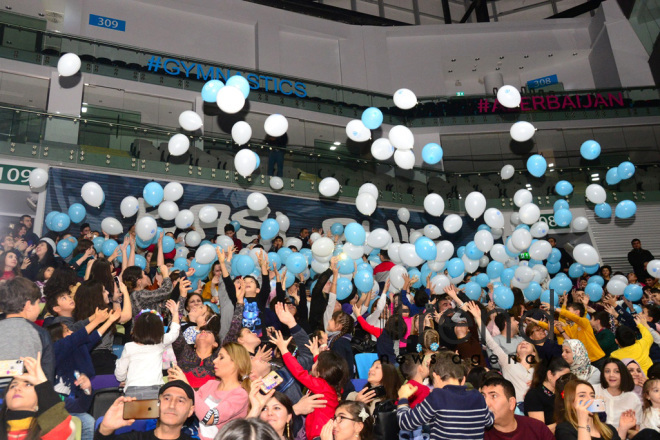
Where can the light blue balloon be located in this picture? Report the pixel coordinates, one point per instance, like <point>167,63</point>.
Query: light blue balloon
<point>455,267</point>
<point>546,295</point>
<point>507,275</point>
<point>633,292</point>
<point>290,278</point>
<point>240,83</point>
<point>168,244</point>
<point>472,251</point>
<point>372,118</point>
<point>522,226</point>
<point>576,270</point>
<point>555,256</point>
<point>159,231</point>
<point>64,248</point>
<point>482,279</point>
<point>460,251</point>
<point>590,270</point>
<point>612,176</point>
<point>494,269</point>
<point>140,261</point>
<point>603,210</point>
<point>553,268</point>
<point>211,89</point>
<point>296,263</point>
<point>503,297</point>
<point>374,259</point>
<point>258,161</point>
<point>625,209</point>
<point>344,288</point>
<point>596,279</point>
<point>533,291</point>
<point>355,234</point>
<point>153,193</point>
<point>49,219</point>
<point>560,204</point>
<point>109,247</point>
<point>626,170</point>
<point>181,264</point>
<point>594,290</point>
<point>484,227</point>
<point>426,249</point>
<point>364,281</point>
<point>77,213</point>
<point>245,265</point>
<point>638,308</point>
<point>337,228</point>
<point>590,150</point>
<point>128,252</point>
<point>346,266</point>
<point>473,290</point>
<point>563,188</point>
<point>98,243</point>
<point>284,253</point>
<point>563,217</point>
<point>536,165</point>
<point>143,244</point>
<point>561,284</point>
<point>532,262</point>
<point>60,222</point>
<point>338,250</point>
<point>365,266</point>
<point>274,261</point>
<point>269,229</point>
<point>432,153</point>
<point>412,273</point>
<point>307,253</point>
<point>236,225</point>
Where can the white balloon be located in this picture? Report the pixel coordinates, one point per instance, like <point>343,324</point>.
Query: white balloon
<point>470,265</point>
<point>329,187</point>
<point>257,201</point>
<point>521,239</point>
<point>205,254</point>
<point>396,276</point>
<point>432,232</point>
<point>245,161</point>
<point>230,99</point>
<point>393,252</point>
<point>38,178</point>
<point>580,224</point>
<point>540,250</point>
<point>315,236</point>
<point>498,253</point>
<point>414,235</point>
<point>382,149</point>
<point>146,227</point>
<point>294,241</point>
<point>193,238</point>
<point>224,242</point>
<point>276,183</point>
<point>111,226</point>
<point>436,265</point>
<point>182,252</point>
<point>497,233</point>
<point>401,137</point>
<point>378,238</point>
<point>653,268</point>
<point>508,96</point>
<point>616,287</point>
<point>178,144</point>
<point>518,284</point>
<point>403,215</point>
<point>365,203</point>
<point>483,261</point>
<point>540,273</point>
<point>369,188</point>
<point>511,247</point>
<point>539,229</point>
<point>494,218</point>
<point>585,254</point>
<point>596,193</point>
<point>172,192</point>
<point>507,172</point>
<point>354,252</point>
<point>529,213</point>
<point>323,247</point>
<point>184,219</point>
<point>434,205</point>
<point>445,250</point>
<point>621,278</point>
<point>484,240</point>
<point>440,282</point>
<point>208,214</point>
<point>405,159</point>
<point>189,120</point>
<point>68,64</point>
<point>168,210</point>
<point>522,197</point>
<point>452,223</point>
<point>356,131</point>
<point>475,204</point>
<point>319,267</point>
<point>129,206</point>
<point>283,221</point>
<point>92,194</point>
<point>276,125</point>
<point>521,131</point>
<point>405,99</point>
<point>241,132</point>
<point>515,219</point>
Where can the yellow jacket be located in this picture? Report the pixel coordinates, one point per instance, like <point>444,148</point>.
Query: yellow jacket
<point>582,331</point>
<point>639,351</point>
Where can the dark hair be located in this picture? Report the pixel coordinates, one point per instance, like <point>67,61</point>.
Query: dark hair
<point>61,281</point>
<point>507,386</point>
<point>383,255</point>
<point>190,295</point>
<point>579,307</point>
<point>229,227</point>
<point>83,226</point>
<point>355,408</point>
<point>89,297</point>
<point>391,380</point>
<point>284,400</point>
<point>277,237</point>
<point>102,271</point>
<point>542,368</point>
<point>421,298</point>
<point>608,267</point>
<point>56,331</point>
<point>603,317</point>
<point>476,376</point>
<point>34,431</point>
<point>560,408</point>
<point>24,216</point>
<point>501,320</point>
<point>396,327</point>
<point>51,302</point>
<point>15,293</point>
<point>345,322</point>
<point>625,336</point>
<point>83,245</point>
<point>654,371</point>
<point>445,367</point>
<point>247,429</point>
<point>409,365</point>
<point>332,368</point>
<point>131,276</point>
<point>213,325</point>
<point>17,268</point>
<point>627,381</point>
<point>148,329</point>
<point>634,240</point>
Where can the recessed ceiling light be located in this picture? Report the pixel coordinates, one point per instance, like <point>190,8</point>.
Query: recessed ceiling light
<point>333,148</point>
<point>41,14</point>
<point>9,8</point>
<point>337,143</point>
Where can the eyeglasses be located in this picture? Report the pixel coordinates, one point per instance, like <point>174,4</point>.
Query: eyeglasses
<point>340,418</point>
<point>179,400</point>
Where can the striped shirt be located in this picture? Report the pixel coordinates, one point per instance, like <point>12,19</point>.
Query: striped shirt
<point>452,412</point>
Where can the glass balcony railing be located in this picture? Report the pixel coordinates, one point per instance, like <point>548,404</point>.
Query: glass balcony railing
<point>38,136</point>
<point>30,44</point>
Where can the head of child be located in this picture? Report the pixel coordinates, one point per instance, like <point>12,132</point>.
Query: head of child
<point>20,297</point>
<point>651,393</point>
<point>448,369</point>
<point>352,421</point>
<point>341,322</point>
<point>332,368</point>
<point>384,374</point>
<point>415,367</point>
<point>615,377</point>
<point>527,352</point>
<point>251,286</point>
<point>430,341</point>
<point>58,331</point>
<point>248,339</point>
<point>148,328</point>
<point>576,308</point>
<point>200,314</point>
<point>60,304</point>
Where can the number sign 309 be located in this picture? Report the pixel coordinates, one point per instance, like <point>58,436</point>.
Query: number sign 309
<point>107,22</point>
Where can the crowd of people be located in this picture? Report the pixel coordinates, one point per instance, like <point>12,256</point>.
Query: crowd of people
<point>259,357</point>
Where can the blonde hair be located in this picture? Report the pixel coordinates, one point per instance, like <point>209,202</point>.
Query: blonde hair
<point>570,415</point>
<point>646,402</point>
<point>429,337</point>
<point>241,358</point>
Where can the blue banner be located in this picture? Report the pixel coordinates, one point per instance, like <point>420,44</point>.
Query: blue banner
<point>64,187</point>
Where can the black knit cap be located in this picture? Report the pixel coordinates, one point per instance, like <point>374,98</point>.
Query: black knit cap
<point>178,384</point>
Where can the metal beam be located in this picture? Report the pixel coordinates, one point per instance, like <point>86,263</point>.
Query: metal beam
<point>578,10</point>
<point>446,12</point>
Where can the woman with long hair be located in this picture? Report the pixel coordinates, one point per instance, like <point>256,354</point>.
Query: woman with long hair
<point>42,256</point>
<point>274,408</point>
<point>383,383</point>
<point>9,267</point>
<point>540,399</point>
<point>82,254</point>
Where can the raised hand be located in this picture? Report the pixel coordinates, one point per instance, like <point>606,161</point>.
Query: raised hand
<point>263,354</point>
<point>240,289</point>
<point>280,342</point>
<point>258,400</point>
<point>308,403</point>
<point>628,420</point>
<point>176,373</point>
<point>333,265</point>
<point>174,310</point>
<point>284,315</point>
<point>114,417</point>
<point>313,346</point>
<point>34,374</point>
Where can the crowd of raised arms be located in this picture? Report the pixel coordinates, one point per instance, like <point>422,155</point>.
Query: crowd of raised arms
<point>96,346</point>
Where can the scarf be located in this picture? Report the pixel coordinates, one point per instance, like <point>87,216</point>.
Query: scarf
<point>581,365</point>
<point>637,390</point>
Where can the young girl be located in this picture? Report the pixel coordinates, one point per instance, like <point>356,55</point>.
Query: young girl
<point>651,414</point>
<point>616,389</point>
<point>328,376</point>
<point>141,362</point>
